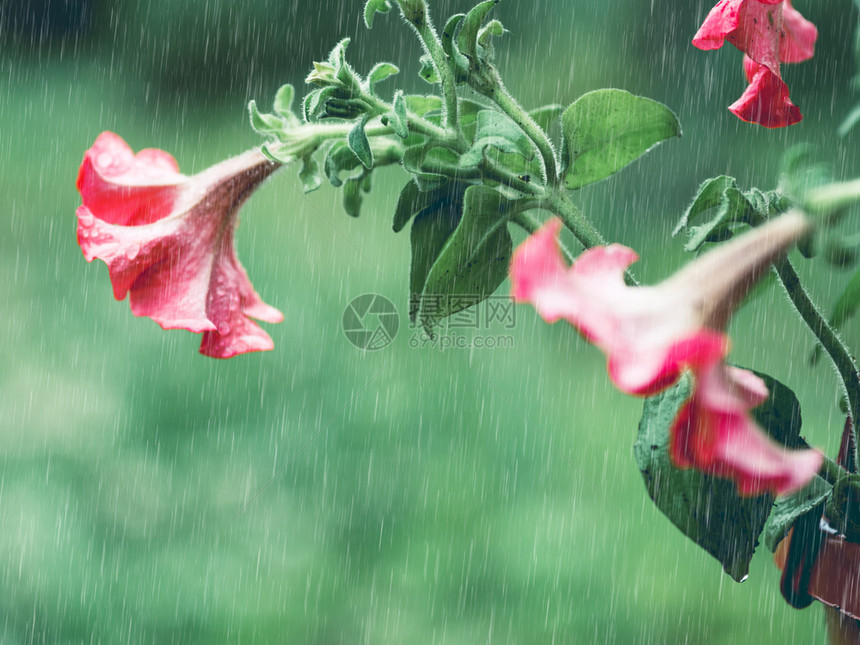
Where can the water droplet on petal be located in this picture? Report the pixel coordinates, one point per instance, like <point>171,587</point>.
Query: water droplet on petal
<point>132,251</point>
<point>224,328</point>
<point>86,218</point>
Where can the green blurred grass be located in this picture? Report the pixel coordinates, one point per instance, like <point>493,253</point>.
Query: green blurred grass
<point>459,497</point>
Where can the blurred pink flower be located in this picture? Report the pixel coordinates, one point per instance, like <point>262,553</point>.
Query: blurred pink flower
<point>650,335</point>
<point>769,32</point>
<point>168,241</point>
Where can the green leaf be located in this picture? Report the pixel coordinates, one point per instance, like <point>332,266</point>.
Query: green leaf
<point>467,39</point>
<point>352,196</point>
<point>337,56</point>
<point>431,229</point>
<point>265,124</point>
<point>605,130</point>
<point>276,155</point>
<point>708,509</point>
<point>381,71</point>
<point>372,7</point>
<point>499,131</point>
<point>284,100</point>
<point>339,159</point>
<point>429,164</point>
<point>850,122</point>
<point>413,202</point>
<point>475,259</point>
<point>421,105</point>
<point>428,70</point>
<point>310,174</point>
<point>359,144</point>
<point>732,207</point>
<point>788,509</point>
<point>397,117</point>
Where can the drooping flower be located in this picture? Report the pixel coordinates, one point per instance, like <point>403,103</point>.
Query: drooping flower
<point>715,433</point>
<point>167,239</point>
<point>769,32</point>
<point>650,335</point>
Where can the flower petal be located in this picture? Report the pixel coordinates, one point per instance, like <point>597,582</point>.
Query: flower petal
<point>753,26</point>
<point>797,41</point>
<point>120,187</point>
<point>649,335</point>
<point>715,433</point>
<point>766,100</point>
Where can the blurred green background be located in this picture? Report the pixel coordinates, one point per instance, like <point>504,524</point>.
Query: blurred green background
<point>406,495</point>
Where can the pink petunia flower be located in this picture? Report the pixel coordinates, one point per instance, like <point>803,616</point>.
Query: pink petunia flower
<point>650,335</point>
<point>769,32</point>
<point>168,241</point>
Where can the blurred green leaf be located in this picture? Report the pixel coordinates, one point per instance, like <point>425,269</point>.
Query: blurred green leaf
<point>547,116</point>
<point>310,174</point>
<point>708,509</point>
<point>474,261</point>
<point>421,105</point>
<point>605,130</point>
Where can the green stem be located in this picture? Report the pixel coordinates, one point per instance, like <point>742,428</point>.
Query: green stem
<point>830,471</point>
<point>437,54</point>
<point>827,336</point>
<point>495,90</point>
<point>559,203</point>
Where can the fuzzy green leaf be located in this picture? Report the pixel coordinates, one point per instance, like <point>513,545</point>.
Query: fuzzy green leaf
<point>284,100</point>
<point>467,39</point>
<point>381,71</point>
<point>310,174</point>
<point>371,9</point>
<point>265,124</point>
<point>708,509</point>
<point>433,226</point>
<point>475,259</point>
<point>358,143</point>
<point>788,509</point>
<point>605,130</point>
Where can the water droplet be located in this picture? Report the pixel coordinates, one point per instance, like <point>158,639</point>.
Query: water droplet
<point>86,218</point>
<point>224,328</point>
<point>132,251</point>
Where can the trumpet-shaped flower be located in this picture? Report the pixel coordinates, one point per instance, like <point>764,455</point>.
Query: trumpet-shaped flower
<point>168,241</point>
<point>652,334</point>
<point>769,32</point>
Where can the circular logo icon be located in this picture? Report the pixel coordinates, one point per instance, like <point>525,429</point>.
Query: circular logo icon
<point>370,322</point>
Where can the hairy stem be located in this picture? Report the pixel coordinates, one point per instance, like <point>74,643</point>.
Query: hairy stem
<point>839,353</point>
<point>437,54</point>
<point>497,92</point>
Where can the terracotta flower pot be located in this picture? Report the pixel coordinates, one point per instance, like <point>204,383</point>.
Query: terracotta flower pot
<point>835,578</point>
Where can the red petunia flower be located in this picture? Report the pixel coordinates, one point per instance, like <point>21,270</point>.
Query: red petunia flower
<point>650,335</point>
<point>714,433</point>
<point>769,32</point>
<point>168,241</point>
<point>765,100</point>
